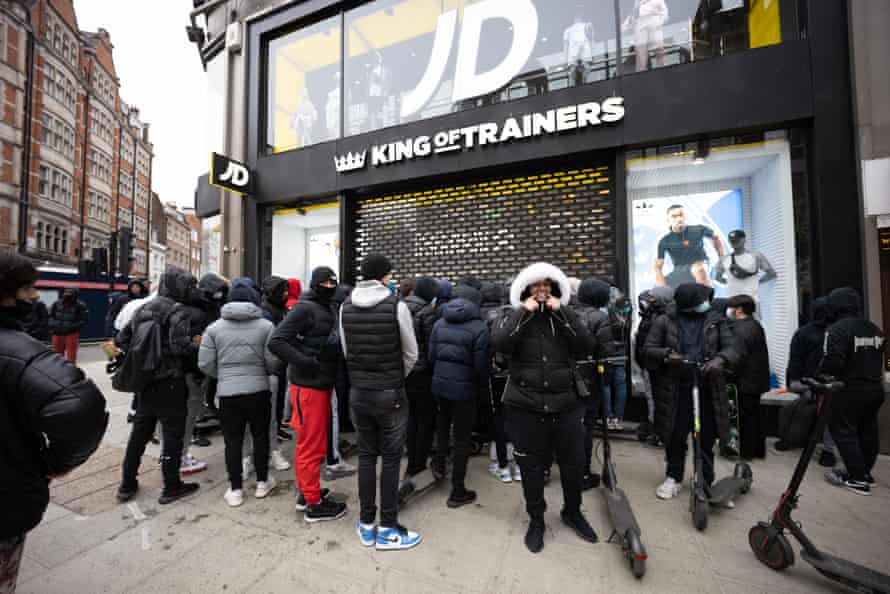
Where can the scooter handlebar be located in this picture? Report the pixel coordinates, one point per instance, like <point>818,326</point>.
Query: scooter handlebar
<point>829,384</point>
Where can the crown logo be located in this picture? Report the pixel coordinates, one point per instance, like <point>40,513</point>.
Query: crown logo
<point>350,162</point>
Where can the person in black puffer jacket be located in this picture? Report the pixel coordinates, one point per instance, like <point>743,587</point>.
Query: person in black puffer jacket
<point>67,317</point>
<point>135,290</point>
<point>689,330</point>
<point>165,399</point>
<point>302,341</point>
<point>421,405</point>
<point>275,309</point>
<point>493,308</point>
<point>52,418</point>
<point>542,338</point>
<point>37,322</point>
<point>651,304</point>
<point>458,355</point>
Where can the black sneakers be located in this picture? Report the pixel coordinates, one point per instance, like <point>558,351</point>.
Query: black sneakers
<point>325,510</point>
<point>827,459</point>
<point>125,494</point>
<point>534,538</point>
<point>578,523</point>
<point>177,492</point>
<point>301,501</point>
<point>460,499</point>
<point>590,481</point>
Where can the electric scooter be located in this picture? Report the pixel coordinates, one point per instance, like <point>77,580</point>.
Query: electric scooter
<point>726,489</point>
<point>768,540</point>
<point>625,528</point>
<point>417,485</point>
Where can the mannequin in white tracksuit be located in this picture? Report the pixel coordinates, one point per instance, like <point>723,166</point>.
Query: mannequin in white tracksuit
<point>577,42</point>
<point>651,16</point>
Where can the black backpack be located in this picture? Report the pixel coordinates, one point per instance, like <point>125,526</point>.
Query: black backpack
<point>144,358</point>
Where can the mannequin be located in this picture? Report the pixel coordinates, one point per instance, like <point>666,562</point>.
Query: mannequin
<point>577,43</point>
<point>378,83</point>
<point>332,109</point>
<point>650,17</point>
<point>741,269</point>
<point>304,118</point>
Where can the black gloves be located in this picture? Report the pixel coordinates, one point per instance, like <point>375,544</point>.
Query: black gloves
<point>712,367</point>
<point>674,358</point>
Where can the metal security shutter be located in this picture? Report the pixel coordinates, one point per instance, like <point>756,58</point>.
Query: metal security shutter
<point>493,228</point>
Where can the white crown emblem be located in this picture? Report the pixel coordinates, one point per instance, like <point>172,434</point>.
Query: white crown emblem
<point>350,162</point>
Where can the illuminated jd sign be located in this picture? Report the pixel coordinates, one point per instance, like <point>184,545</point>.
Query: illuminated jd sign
<point>523,19</point>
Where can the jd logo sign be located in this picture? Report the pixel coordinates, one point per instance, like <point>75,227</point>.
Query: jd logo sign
<point>230,175</point>
<point>522,16</point>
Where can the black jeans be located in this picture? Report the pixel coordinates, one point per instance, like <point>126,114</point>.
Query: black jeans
<point>380,418</point>
<point>854,427</point>
<point>499,420</point>
<point>421,421</point>
<point>163,401</point>
<point>235,413</point>
<point>752,439</point>
<point>462,414</point>
<point>676,448</point>
<point>280,397</point>
<point>592,412</point>
<point>536,437</point>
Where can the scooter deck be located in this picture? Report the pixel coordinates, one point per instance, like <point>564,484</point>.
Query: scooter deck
<point>417,485</point>
<point>852,575</point>
<point>726,489</point>
<point>622,515</point>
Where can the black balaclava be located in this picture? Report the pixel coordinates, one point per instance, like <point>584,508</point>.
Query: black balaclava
<point>320,275</point>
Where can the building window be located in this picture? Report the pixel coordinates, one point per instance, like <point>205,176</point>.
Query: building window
<point>39,235</point>
<point>43,181</point>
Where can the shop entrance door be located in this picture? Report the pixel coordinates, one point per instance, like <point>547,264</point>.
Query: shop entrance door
<point>302,238</point>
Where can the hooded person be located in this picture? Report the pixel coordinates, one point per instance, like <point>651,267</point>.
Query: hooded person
<point>274,290</point>
<point>67,317</point>
<point>459,360</point>
<point>165,399</point>
<point>854,353</point>
<point>380,346</point>
<point>493,308</point>
<point>689,331</point>
<point>302,341</point>
<point>135,290</point>
<point>651,303</point>
<point>418,385</point>
<point>445,289</point>
<point>294,288</point>
<point>235,351</point>
<point>542,338</point>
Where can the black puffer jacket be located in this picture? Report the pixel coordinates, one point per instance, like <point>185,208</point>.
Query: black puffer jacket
<point>37,322</point>
<point>179,351</point>
<point>854,346</point>
<point>121,300</point>
<point>52,419</point>
<point>592,296</point>
<point>425,315</point>
<point>303,342</point>
<point>806,344</point>
<point>664,338</point>
<point>68,317</point>
<point>275,299</point>
<point>752,370</point>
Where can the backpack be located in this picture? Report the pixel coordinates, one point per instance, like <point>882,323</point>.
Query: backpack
<point>144,358</point>
<point>796,420</point>
<point>496,318</point>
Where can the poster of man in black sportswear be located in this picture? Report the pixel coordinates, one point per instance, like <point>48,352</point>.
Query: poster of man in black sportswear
<point>685,244</point>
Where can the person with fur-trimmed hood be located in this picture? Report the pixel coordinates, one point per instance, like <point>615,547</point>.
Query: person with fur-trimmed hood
<point>542,337</point>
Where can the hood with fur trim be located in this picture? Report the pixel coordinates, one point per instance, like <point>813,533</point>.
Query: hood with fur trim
<point>538,272</point>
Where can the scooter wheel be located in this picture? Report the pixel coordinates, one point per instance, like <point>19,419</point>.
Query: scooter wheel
<point>477,447</point>
<point>770,546</point>
<point>743,471</point>
<point>636,554</point>
<point>699,514</point>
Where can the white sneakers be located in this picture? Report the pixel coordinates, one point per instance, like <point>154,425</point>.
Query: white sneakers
<point>668,489</point>
<point>517,476</point>
<point>278,461</point>
<point>234,497</point>
<point>502,474</point>
<point>191,465</point>
<point>263,488</point>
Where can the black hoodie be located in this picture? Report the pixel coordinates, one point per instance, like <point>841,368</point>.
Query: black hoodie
<point>854,347</point>
<point>275,298</point>
<point>68,317</point>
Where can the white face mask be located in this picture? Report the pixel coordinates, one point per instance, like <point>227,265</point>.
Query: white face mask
<point>730,313</point>
<point>703,307</point>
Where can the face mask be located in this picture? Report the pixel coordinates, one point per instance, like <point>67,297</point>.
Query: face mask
<point>325,292</point>
<point>702,307</point>
<point>730,313</point>
<point>393,287</point>
<point>23,308</point>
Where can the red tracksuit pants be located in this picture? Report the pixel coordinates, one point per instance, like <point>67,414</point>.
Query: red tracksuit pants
<point>67,345</point>
<point>311,409</point>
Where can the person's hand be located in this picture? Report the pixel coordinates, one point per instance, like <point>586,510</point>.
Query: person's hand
<point>675,358</point>
<point>531,304</point>
<point>196,339</point>
<point>712,367</point>
<point>553,303</point>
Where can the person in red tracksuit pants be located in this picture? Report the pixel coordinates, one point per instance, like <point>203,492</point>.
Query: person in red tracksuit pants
<point>305,342</point>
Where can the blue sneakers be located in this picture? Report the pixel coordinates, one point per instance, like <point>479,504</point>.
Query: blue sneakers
<point>367,533</point>
<point>394,539</point>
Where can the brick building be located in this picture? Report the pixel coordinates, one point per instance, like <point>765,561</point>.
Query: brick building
<point>85,155</point>
<point>195,245</point>
<point>179,239</point>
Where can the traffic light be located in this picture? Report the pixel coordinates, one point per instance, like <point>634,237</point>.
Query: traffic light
<point>125,251</point>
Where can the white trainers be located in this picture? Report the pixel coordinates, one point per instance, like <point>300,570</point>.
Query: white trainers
<point>339,470</point>
<point>246,467</point>
<point>517,476</point>
<point>668,489</point>
<point>191,465</point>
<point>234,497</point>
<point>278,461</point>
<point>502,474</point>
<point>263,488</point>
<point>617,424</point>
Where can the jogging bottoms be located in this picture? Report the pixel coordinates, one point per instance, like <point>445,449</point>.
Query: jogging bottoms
<point>311,409</point>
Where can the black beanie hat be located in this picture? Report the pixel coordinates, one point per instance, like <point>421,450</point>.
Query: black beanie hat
<point>244,293</point>
<point>375,267</point>
<point>688,296</point>
<point>320,275</point>
<point>594,292</point>
<point>470,281</point>
<point>427,288</point>
<point>468,293</point>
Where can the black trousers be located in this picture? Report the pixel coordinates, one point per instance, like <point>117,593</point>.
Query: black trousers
<point>536,437</point>
<point>499,420</point>
<point>421,421</point>
<point>676,448</point>
<point>280,396</point>
<point>380,418</point>
<point>751,436</point>
<point>591,413</point>
<point>163,401</point>
<point>462,415</point>
<point>235,413</point>
<point>854,426</point>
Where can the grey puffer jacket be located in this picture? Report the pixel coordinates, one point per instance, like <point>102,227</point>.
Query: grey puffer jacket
<point>235,350</point>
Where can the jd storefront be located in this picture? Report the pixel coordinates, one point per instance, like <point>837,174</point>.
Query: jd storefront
<point>473,138</point>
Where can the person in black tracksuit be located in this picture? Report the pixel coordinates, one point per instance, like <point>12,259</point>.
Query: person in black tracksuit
<point>652,303</point>
<point>854,354</point>
<point>542,337</point>
<point>492,309</point>
<point>421,405</point>
<point>752,374</point>
<point>274,306</point>
<point>593,297</point>
<point>690,330</point>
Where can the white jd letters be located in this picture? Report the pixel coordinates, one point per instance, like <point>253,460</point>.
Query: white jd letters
<point>236,174</point>
<point>522,16</point>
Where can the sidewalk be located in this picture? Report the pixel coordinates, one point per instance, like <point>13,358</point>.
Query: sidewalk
<point>88,543</point>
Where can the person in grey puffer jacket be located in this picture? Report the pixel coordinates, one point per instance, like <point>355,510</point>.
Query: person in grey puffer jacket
<point>235,351</point>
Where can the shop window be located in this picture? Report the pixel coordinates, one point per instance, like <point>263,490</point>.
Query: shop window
<point>303,238</point>
<point>303,68</point>
<point>720,213</point>
<point>658,33</point>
